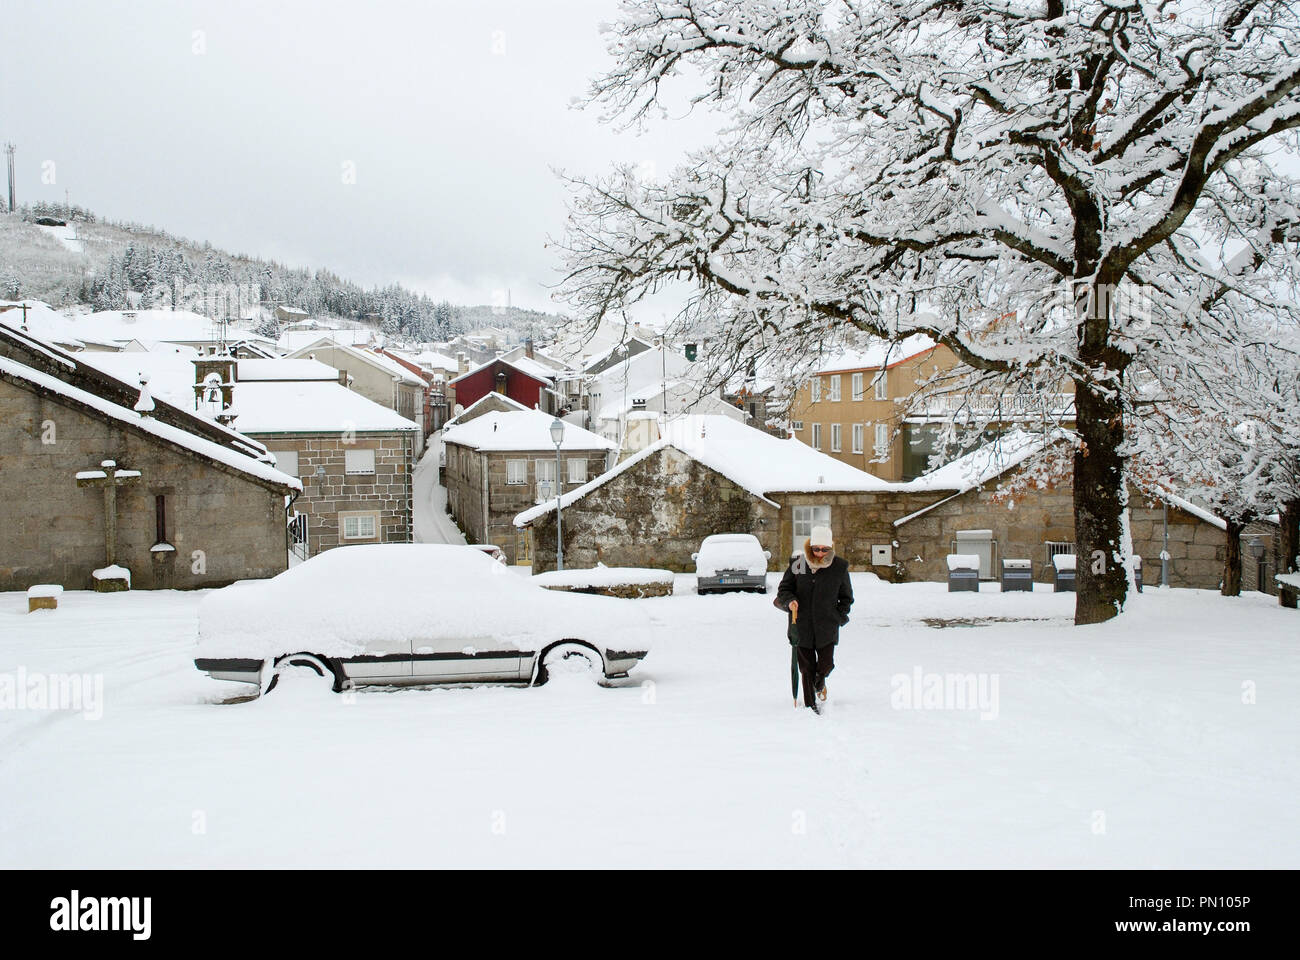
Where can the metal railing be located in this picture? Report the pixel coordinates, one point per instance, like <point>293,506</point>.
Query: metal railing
<point>1009,406</point>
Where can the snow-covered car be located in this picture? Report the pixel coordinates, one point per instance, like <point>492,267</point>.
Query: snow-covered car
<point>492,550</point>
<point>398,614</point>
<point>731,561</point>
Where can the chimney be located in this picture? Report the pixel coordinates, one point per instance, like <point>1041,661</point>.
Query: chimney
<point>462,365</point>
<point>528,348</point>
<point>343,378</point>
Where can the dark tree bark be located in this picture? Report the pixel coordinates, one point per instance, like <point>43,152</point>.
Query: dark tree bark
<point>1232,559</point>
<point>1287,596</point>
<point>1098,485</point>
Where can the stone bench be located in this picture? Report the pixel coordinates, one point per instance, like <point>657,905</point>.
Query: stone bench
<point>629,583</point>
<point>43,596</point>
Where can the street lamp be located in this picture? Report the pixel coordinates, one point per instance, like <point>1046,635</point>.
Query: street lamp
<point>557,437</point>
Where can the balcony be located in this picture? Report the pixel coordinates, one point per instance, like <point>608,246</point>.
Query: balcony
<point>1007,407</point>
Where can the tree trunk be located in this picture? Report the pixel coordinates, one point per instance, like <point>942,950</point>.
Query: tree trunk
<point>1286,596</point>
<point>1102,582</point>
<point>1232,559</point>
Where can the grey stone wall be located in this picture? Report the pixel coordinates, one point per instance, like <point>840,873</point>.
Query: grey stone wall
<point>1022,525</point>
<point>858,521</point>
<point>655,515</point>
<point>224,525</point>
<point>388,491</point>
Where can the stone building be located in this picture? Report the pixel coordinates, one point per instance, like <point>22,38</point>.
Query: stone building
<point>95,474</point>
<point>311,422</point>
<point>707,475</point>
<point>499,463</point>
<point>859,408</point>
<point>378,378</point>
<point>355,457</point>
<point>654,508</point>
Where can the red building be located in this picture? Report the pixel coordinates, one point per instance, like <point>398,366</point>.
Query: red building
<point>502,376</point>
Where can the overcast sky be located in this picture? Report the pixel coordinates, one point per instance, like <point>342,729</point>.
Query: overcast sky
<point>235,122</point>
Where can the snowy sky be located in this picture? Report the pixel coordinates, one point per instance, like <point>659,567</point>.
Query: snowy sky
<point>232,122</point>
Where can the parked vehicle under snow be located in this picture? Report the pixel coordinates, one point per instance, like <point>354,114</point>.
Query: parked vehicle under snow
<point>731,561</point>
<point>396,614</point>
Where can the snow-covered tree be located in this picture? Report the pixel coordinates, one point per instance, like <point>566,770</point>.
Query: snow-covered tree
<point>901,166</point>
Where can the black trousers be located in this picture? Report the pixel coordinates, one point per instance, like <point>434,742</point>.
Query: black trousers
<point>815,664</point>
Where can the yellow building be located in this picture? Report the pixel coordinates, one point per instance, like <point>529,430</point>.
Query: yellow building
<point>856,408</point>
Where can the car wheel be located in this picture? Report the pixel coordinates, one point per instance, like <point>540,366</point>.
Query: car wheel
<point>295,667</point>
<point>569,661</point>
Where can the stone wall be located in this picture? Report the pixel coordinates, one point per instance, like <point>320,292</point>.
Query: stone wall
<point>386,492</point>
<point>655,515</point>
<point>224,525</point>
<point>858,521</point>
<point>1022,525</point>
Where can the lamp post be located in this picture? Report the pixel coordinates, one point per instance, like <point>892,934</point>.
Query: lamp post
<point>557,437</point>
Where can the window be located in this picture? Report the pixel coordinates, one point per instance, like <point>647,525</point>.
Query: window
<point>796,426</point>
<point>882,385</point>
<point>882,441</point>
<point>358,461</point>
<point>859,431</point>
<point>817,436</point>
<point>804,519</point>
<point>816,389</point>
<point>545,479</point>
<point>359,526</point>
<point>160,518</point>
<point>857,386</point>
<point>835,388</point>
<point>516,471</point>
<point>286,461</point>
<point>835,438</point>
<point>577,469</point>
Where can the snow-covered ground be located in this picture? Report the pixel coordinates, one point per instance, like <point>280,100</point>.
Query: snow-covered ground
<point>66,235</point>
<point>1166,739</point>
<point>432,524</point>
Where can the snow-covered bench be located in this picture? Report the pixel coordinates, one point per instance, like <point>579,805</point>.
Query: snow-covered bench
<point>43,596</point>
<point>963,572</point>
<point>631,583</point>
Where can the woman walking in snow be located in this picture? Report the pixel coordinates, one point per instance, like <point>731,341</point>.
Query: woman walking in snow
<point>816,592</point>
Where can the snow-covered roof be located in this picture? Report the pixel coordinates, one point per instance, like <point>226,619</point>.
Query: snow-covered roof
<point>462,418</point>
<point>286,369</point>
<point>759,462</point>
<point>523,365</point>
<point>975,468</point>
<point>170,372</point>
<point>310,406</point>
<point>521,430</point>
<point>981,464</point>
<point>1194,509</point>
<point>45,323</point>
<point>435,360</point>
<point>531,366</point>
<point>292,341</point>
<point>208,449</point>
<point>879,353</point>
<point>388,364</point>
<point>172,326</point>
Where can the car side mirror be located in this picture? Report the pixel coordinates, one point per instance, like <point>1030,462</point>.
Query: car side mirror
<point>767,554</point>
<point>695,556</point>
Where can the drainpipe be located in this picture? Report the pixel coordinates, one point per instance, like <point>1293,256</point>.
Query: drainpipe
<point>483,460</point>
<point>1164,551</point>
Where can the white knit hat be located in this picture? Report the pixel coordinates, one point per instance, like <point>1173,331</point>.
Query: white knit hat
<point>821,537</point>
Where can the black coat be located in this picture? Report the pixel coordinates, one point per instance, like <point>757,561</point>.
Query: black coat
<point>824,596</point>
